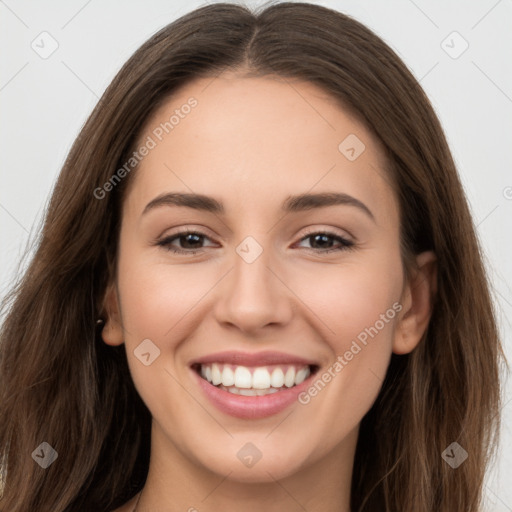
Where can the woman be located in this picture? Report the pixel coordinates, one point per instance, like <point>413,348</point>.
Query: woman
<point>258,284</point>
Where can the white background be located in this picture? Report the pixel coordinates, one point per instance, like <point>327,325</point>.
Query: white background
<point>44,102</point>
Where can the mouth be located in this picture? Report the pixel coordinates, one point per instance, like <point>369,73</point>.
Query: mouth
<point>252,386</point>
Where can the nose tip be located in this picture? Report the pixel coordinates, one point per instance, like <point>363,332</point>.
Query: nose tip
<point>252,296</point>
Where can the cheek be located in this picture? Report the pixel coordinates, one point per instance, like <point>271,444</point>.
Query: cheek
<point>362,309</point>
<point>352,297</point>
<point>159,303</point>
<point>357,307</point>
<point>156,297</point>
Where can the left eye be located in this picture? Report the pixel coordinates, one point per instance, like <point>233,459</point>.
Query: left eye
<point>191,242</point>
<point>324,241</point>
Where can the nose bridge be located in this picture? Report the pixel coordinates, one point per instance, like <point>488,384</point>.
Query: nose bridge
<point>252,296</point>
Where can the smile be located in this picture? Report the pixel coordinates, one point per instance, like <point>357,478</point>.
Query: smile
<point>251,386</point>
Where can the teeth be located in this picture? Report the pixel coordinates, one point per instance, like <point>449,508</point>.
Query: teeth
<point>250,392</point>
<point>253,381</point>
<point>243,378</point>
<point>228,377</point>
<point>277,379</point>
<point>301,375</point>
<point>216,375</point>
<point>260,379</point>
<point>289,378</point>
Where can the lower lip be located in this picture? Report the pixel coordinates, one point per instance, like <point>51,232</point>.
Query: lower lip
<point>251,407</point>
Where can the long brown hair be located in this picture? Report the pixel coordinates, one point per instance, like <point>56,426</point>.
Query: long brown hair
<point>61,384</point>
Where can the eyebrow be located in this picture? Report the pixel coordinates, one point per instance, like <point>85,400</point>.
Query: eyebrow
<point>296,203</point>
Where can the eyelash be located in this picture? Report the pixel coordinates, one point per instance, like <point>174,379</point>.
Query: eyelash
<point>345,244</point>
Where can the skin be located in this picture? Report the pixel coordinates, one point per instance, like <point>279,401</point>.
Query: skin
<point>250,143</point>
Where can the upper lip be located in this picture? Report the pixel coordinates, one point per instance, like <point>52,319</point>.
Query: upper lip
<point>253,359</point>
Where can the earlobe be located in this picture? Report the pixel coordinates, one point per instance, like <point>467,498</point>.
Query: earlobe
<point>112,332</point>
<point>417,301</point>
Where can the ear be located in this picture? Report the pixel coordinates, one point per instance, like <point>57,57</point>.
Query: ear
<point>417,299</point>
<point>112,332</point>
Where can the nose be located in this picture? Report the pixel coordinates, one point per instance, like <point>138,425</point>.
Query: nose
<point>253,296</point>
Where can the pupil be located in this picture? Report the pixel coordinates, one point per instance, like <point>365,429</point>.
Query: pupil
<point>197,238</point>
<point>322,239</point>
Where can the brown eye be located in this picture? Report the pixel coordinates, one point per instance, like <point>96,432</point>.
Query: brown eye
<point>185,242</point>
<point>323,242</point>
<point>190,239</point>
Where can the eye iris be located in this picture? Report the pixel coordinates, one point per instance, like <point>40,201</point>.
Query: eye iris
<point>185,240</point>
<point>325,240</point>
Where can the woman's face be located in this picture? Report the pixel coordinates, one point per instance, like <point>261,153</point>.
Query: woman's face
<point>271,288</point>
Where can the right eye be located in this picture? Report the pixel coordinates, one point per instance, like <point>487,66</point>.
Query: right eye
<point>186,239</point>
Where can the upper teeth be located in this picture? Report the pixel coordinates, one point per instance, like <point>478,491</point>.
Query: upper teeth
<point>261,377</point>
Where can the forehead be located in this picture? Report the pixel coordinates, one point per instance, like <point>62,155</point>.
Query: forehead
<point>251,139</point>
